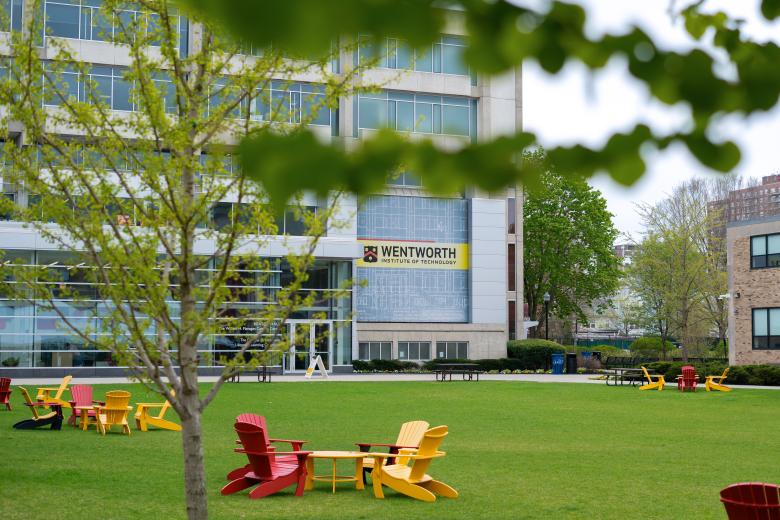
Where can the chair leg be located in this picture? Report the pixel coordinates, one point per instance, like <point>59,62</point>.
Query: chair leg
<point>301,481</point>
<point>440,488</point>
<point>269,488</point>
<point>239,472</point>
<point>376,480</point>
<point>411,490</point>
<point>237,485</point>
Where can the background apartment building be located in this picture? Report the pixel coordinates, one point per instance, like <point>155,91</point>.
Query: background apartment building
<point>443,274</point>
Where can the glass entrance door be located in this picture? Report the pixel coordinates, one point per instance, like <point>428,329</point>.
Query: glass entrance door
<point>309,339</point>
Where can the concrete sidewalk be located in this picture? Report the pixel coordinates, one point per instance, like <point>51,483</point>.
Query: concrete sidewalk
<point>367,378</point>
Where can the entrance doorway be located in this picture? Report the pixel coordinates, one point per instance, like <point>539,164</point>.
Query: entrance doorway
<point>308,339</point>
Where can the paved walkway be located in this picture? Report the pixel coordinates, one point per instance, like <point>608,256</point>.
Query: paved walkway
<point>533,378</point>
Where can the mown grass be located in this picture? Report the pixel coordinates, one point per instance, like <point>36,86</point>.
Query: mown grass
<point>515,450</point>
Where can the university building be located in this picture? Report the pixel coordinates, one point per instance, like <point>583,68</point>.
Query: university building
<point>441,276</point>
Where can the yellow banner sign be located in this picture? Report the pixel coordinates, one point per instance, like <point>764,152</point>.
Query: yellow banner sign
<point>413,255</point>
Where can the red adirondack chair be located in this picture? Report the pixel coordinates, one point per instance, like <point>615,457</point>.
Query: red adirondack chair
<point>82,396</point>
<point>259,420</point>
<point>271,474</point>
<point>751,501</point>
<point>688,379</point>
<point>5,392</point>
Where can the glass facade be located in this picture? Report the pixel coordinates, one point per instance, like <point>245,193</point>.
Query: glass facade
<point>33,334</point>
<point>444,56</point>
<point>11,15</point>
<point>85,20</point>
<point>452,350</point>
<point>416,113</point>
<point>413,294</point>
<point>414,350</point>
<point>375,350</point>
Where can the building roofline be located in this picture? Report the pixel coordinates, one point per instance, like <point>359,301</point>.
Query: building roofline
<point>762,220</point>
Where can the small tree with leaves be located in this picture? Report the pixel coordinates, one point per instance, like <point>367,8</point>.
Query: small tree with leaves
<point>123,167</point>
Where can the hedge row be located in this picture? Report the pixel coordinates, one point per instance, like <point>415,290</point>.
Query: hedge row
<point>533,354</point>
<point>759,375</point>
<point>384,365</point>
<point>377,365</point>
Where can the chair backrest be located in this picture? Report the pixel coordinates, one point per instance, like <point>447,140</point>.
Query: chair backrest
<point>688,375</point>
<point>252,418</point>
<point>725,373</point>
<point>412,433</point>
<point>647,375</point>
<point>63,387</point>
<point>82,395</point>
<point>5,383</point>
<point>29,401</point>
<point>428,447</point>
<point>254,439</point>
<point>116,410</point>
<point>751,500</point>
<point>164,408</point>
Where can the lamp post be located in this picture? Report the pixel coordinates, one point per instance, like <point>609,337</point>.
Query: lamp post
<point>546,315</point>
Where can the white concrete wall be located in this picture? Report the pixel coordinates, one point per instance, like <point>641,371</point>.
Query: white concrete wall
<point>488,260</point>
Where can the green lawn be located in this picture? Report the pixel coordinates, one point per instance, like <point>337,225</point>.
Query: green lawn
<point>515,450</point>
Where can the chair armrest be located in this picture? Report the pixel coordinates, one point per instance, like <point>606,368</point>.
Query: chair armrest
<point>150,405</point>
<point>272,453</point>
<point>291,441</point>
<point>101,403</point>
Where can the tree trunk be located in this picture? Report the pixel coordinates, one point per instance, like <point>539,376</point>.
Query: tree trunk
<point>194,471</point>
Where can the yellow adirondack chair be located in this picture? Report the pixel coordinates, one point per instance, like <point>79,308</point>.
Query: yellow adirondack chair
<point>114,412</point>
<point>409,437</point>
<point>412,480</point>
<point>53,418</point>
<point>653,381</point>
<point>144,418</point>
<point>710,384</point>
<point>54,394</point>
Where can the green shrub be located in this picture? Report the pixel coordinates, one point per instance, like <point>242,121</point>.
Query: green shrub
<point>672,369</point>
<point>650,345</point>
<point>384,365</point>
<point>533,354</point>
<point>762,375</point>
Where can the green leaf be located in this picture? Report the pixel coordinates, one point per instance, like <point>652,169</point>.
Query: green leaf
<point>770,9</point>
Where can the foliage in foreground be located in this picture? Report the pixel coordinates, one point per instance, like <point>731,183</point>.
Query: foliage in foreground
<point>502,35</point>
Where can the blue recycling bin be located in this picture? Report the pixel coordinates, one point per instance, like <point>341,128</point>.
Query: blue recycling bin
<point>586,356</point>
<point>557,363</point>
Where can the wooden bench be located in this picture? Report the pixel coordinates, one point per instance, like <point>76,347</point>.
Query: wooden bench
<point>467,370</point>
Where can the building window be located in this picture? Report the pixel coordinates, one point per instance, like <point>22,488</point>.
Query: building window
<point>512,319</point>
<point>444,56</point>
<point>417,113</point>
<point>11,15</point>
<point>68,19</point>
<point>404,179</point>
<point>511,219</point>
<point>766,329</point>
<point>414,350</point>
<point>375,350</point>
<point>765,251</point>
<point>452,350</point>
<point>510,267</point>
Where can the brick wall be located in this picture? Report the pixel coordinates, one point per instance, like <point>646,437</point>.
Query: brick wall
<point>757,288</point>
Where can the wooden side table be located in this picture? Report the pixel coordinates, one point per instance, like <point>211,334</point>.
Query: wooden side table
<point>334,477</point>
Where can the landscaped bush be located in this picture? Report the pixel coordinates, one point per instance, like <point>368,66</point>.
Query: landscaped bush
<point>650,346</point>
<point>763,375</point>
<point>672,369</point>
<point>606,350</point>
<point>384,365</point>
<point>533,354</point>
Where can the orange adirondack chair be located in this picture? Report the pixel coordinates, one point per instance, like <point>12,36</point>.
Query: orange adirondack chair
<point>53,418</point>
<point>409,437</point>
<point>412,480</point>
<point>259,421</point>
<point>114,412</point>
<point>272,475</point>
<point>54,394</point>
<point>688,379</point>
<point>751,501</point>
<point>82,396</point>
<point>144,418</point>
<point>5,392</point>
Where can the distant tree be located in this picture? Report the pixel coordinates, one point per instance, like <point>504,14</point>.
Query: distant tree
<point>568,238</point>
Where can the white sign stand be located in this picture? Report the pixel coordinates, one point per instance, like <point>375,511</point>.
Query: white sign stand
<point>317,361</point>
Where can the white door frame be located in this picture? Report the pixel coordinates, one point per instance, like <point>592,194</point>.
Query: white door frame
<point>289,356</point>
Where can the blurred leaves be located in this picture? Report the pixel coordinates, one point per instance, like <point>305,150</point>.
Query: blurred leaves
<point>501,37</point>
